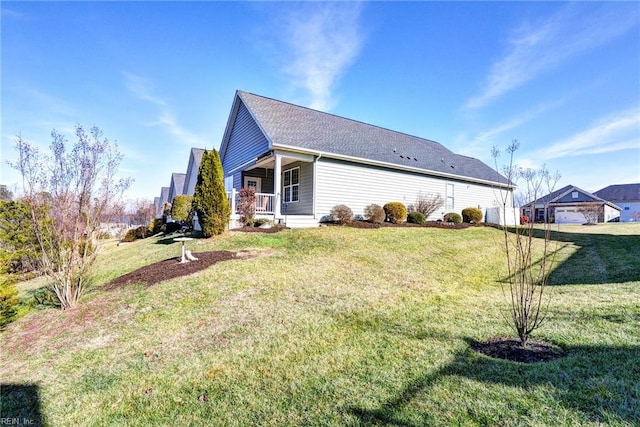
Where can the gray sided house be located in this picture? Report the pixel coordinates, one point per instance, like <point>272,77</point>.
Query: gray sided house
<point>177,185</point>
<point>302,162</point>
<point>627,197</point>
<point>160,201</point>
<point>191,176</point>
<point>570,205</point>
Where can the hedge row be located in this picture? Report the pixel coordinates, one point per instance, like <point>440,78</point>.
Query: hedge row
<point>396,213</point>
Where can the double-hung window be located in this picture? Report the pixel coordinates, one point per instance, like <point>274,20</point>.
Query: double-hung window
<point>449,195</point>
<point>291,185</point>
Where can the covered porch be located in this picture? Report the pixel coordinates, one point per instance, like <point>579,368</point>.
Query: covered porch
<point>283,183</point>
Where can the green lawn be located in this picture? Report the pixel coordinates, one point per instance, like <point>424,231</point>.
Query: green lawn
<point>335,326</point>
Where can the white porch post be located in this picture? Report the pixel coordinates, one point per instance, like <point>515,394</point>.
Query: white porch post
<point>277,185</point>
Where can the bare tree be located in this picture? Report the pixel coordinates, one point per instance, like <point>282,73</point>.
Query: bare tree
<point>528,251</point>
<point>142,211</point>
<point>590,213</point>
<point>69,193</point>
<point>427,204</point>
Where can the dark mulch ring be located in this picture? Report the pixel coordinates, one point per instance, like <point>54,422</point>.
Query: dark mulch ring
<point>248,229</point>
<point>511,349</point>
<point>171,268</point>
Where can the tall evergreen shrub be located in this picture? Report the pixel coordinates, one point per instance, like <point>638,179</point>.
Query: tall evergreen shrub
<point>210,198</point>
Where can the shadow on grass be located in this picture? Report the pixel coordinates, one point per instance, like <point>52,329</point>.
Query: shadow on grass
<point>599,259</point>
<point>20,405</point>
<point>600,383</point>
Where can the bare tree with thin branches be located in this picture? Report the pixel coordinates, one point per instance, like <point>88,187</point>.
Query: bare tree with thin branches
<point>590,213</point>
<point>427,204</point>
<point>69,193</point>
<point>528,251</point>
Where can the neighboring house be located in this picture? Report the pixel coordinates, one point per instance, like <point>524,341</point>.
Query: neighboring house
<point>302,162</point>
<point>158,206</point>
<point>627,197</point>
<point>570,205</point>
<point>164,198</point>
<point>191,176</point>
<point>177,185</point>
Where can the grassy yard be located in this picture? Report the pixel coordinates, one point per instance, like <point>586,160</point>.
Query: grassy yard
<point>335,326</point>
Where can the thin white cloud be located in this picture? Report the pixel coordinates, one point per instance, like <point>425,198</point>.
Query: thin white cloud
<point>619,131</point>
<point>10,13</point>
<point>480,144</point>
<point>323,40</point>
<point>538,48</point>
<point>170,123</point>
<point>142,89</point>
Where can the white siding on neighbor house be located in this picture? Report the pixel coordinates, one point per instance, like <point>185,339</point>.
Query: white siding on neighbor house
<point>246,142</point>
<point>610,213</point>
<point>358,186</point>
<point>499,215</point>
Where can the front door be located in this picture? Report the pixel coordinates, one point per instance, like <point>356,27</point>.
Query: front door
<point>253,182</point>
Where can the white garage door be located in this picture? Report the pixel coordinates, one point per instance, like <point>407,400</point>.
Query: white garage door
<point>569,216</point>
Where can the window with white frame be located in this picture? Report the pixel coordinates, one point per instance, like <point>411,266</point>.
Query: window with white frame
<point>449,195</point>
<point>291,185</point>
<point>574,195</point>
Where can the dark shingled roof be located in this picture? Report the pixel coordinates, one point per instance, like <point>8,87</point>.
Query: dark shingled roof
<point>620,193</point>
<point>289,125</point>
<point>558,194</point>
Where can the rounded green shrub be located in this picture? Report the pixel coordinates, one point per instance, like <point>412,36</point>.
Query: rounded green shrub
<point>416,217</point>
<point>375,214</point>
<point>341,214</point>
<point>181,209</point>
<point>134,234</point>
<point>452,217</point>
<point>130,235</point>
<point>396,212</point>
<point>472,215</point>
<point>155,226</point>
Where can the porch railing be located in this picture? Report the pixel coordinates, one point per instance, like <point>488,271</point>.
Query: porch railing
<point>264,204</point>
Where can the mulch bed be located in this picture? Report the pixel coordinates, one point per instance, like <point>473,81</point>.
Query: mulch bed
<point>248,229</point>
<point>511,349</point>
<point>170,269</point>
<point>433,224</point>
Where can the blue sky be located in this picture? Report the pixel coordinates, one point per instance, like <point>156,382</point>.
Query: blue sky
<point>159,77</point>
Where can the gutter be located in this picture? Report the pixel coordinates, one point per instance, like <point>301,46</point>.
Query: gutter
<point>241,166</point>
<point>315,184</point>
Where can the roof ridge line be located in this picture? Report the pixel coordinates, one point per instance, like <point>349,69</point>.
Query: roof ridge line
<point>349,119</point>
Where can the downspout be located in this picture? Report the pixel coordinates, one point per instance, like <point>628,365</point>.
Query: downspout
<point>315,184</point>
